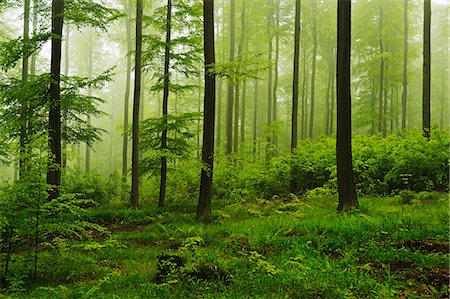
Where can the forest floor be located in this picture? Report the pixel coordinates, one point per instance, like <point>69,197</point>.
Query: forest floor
<point>282,248</point>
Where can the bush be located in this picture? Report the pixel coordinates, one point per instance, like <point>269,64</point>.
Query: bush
<point>92,186</point>
<point>402,161</point>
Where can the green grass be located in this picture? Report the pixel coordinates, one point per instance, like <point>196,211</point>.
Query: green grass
<point>298,248</point>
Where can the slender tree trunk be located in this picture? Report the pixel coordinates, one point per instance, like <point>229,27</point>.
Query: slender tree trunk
<point>426,122</point>
<point>270,134</point>
<point>381,90</point>
<point>33,56</point>
<point>134,199</point>
<point>24,115</point>
<point>345,180</point>
<point>88,147</point>
<point>333,78</point>
<point>405,63</point>
<point>313,73</point>
<point>269,58</point>
<point>255,116</point>
<point>219,110</point>
<point>277,56</point>
<point>327,104</point>
<point>54,119</point>
<point>163,182</point>
<point>64,112</point>
<point>392,111</point>
<point>204,201</point>
<point>304,100</point>
<point>244,46</point>
<point>242,127</point>
<point>128,11</point>
<point>236,116</point>
<point>385,112</point>
<point>219,83</point>
<point>294,122</point>
<point>230,102</point>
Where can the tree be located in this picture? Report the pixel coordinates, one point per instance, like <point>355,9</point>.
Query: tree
<point>162,185</point>
<point>204,201</point>
<point>230,99</point>
<point>345,179</point>
<point>313,71</point>
<point>405,63</point>
<point>24,122</point>
<point>128,9</point>
<point>294,123</point>
<point>134,201</point>
<point>54,118</point>
<point>426,69</point>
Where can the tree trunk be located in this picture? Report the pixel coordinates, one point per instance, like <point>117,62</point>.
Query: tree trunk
<point>294,122</point>
<point>381,90</point>
<point>34,55</point>
<point>163,182</point>
<point>24,109</point>
<point>204,200</point>
<point>134,200</point>
<point>345,180</point>
<point>88,147</point>
<point>332,97</point>
<point>229,120</point>
<point>426,122</point>
<point>304,100</point>
<point>255,116</point>
<point>313,73</point>
<point>236,116</point>
<point>405,63</point>
<point>277,56</point>
<point>64,112</point>
<point>327,103</point>
<point>128,11</point>
<point>54,118</point>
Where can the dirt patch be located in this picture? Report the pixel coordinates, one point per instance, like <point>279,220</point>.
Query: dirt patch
<point>427,246</point>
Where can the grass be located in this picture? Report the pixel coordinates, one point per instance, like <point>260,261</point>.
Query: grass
<point>296,248</point>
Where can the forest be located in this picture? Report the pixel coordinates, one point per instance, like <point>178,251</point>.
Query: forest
<point>224,149</point>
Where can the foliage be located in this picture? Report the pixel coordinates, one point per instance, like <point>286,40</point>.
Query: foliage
<point>293,248</point>
<point>178,134</point>
<point>91,186</point>
<point>381,166</point>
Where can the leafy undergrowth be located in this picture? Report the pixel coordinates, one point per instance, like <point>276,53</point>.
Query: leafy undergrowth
<point>282,248</point>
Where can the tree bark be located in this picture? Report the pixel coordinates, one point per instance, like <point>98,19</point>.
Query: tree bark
<point>294,122</point>
<point>163,181</point>
<point>204,201</point>
<point>381,90</point>
<point>128,10</point>
<point>54,119</point>
<point>405,63</point>
<point>134,200</point>
<point>230,100</point>
<point>426,121</point>
<point>345,180</point>
<point>255,116</point>
<point>24,109</point>
<point>64,112</point>
<point>313,73</point>
<point>88,147</point>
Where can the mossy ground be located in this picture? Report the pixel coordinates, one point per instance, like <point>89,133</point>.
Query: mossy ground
<point>281,248</point>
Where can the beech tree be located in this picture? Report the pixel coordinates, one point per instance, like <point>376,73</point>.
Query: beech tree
<point>204,200</point>
<point>54,118</point>
<point>134,200</point>
<point>345,180</point>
